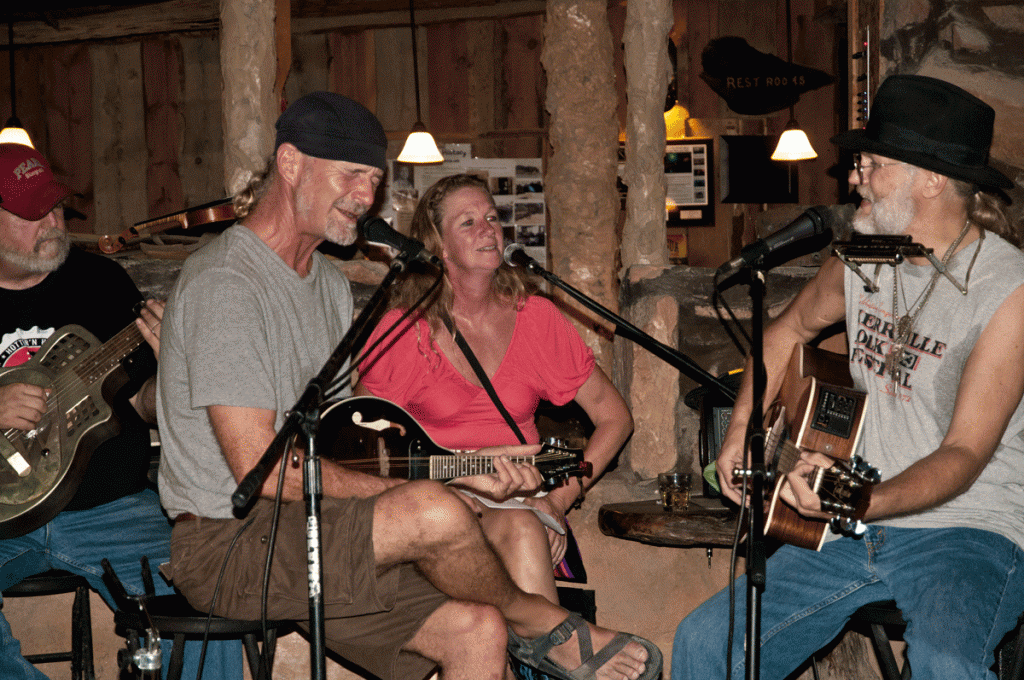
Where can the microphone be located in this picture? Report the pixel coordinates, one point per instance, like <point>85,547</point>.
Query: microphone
<point>515,256</point>
<point>376,230</point>
<point>806,234</point>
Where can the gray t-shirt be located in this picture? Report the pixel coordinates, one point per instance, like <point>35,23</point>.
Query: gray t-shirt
<point>241,328</point>
<point>906,423</point>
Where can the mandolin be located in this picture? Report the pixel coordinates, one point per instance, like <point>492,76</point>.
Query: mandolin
<point>378,437</point>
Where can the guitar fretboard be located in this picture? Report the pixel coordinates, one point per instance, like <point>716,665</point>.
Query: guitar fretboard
<point>115,350</point>
<point>450,467</point>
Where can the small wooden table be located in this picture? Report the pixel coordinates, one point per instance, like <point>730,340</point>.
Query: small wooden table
<point>706,522</point>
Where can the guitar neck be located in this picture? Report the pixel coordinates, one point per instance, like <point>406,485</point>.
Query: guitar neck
<point>444,468</point>
<point>96,366</point>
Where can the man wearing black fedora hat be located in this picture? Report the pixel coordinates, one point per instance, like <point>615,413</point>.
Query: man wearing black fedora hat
<point>942,364</point>
<point>409,580</point>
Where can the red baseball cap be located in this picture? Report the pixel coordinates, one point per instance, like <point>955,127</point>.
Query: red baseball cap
<point>27,186</point>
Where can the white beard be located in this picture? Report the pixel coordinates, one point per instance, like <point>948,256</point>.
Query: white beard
<point>888,217</point>
<point>34,262</point>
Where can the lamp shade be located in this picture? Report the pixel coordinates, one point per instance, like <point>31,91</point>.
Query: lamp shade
<point>794,145</point>
<point>13,133</point>
<point>420,147</point>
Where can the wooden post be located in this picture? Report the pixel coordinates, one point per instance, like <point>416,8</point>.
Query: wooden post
<point>648,72</point>
<point>652,386</point>
<point>248,58</point>
<point>583,203</point>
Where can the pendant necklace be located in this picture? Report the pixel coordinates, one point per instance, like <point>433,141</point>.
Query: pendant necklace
<point>905,324</point>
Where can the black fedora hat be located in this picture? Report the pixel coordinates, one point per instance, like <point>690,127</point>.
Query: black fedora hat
<point>931,124</point>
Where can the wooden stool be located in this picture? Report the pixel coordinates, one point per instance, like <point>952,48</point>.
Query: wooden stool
<point>173,617</point>
<point>880,620</point>
<point>57,582</point>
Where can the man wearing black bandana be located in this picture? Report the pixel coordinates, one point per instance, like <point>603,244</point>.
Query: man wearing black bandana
<point>943,369</point>
<point>409,581</point>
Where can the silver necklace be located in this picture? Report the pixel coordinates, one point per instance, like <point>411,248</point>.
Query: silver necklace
<point>905,323</point>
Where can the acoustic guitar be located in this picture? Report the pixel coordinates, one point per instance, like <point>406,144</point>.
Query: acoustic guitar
<point>40,470</point>
<point>818,410</point>
<point>378,437</point>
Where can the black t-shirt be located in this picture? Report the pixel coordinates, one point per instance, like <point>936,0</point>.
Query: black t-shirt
<point>97,294</point>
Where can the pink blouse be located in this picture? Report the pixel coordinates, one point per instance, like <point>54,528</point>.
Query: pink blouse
<point>546,359</point>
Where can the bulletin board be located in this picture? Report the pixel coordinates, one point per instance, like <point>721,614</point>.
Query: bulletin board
<point>517,185</point>
<point>689,184</point>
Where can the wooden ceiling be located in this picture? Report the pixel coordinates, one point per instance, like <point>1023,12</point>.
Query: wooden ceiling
<point>54,21</point>
<point>53,11</point>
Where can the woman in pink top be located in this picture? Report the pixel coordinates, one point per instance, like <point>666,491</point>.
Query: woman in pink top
<point>528,350</point>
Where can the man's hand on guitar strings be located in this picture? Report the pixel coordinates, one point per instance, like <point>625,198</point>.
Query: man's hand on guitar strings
<point>797,491</point>
<point>509,479</point>
<point>22,406</point>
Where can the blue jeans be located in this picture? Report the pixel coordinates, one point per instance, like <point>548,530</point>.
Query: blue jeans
<point>122,531</point>
<point>961,591</point>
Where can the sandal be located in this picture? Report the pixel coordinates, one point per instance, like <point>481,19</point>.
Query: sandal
<point>534,652</point>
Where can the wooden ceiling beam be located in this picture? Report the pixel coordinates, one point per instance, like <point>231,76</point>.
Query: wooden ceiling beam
<point>182,16</point>
<point>173,16</point>
<point>424,17</point>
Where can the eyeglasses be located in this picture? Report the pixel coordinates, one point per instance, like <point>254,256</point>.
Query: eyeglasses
<point>866,168</point>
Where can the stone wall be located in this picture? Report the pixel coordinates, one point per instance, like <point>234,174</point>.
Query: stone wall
<point>976,45</point>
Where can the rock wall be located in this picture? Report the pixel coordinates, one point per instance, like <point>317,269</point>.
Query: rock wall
<point>977,45</point>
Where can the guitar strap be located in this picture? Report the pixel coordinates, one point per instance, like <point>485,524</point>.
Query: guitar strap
<point>571,567</point>
<point>484,380</point>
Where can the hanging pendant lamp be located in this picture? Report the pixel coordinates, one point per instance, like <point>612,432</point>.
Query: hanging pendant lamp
<point>420,147</point>
<point>793,144</point>
<point>13,132</point>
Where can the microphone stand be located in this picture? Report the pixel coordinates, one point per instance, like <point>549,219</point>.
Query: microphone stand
<point>756,474</point>
<point>304,418</point>
<point>623,328</point>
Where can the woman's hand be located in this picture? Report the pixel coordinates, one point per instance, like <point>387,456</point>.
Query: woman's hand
<point>557,541</point>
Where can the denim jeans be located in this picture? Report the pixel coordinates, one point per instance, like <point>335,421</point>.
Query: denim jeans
<point>122,531</point>
<point>961,591</point>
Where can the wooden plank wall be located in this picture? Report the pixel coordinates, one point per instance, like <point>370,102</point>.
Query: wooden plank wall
<point>135,126</point>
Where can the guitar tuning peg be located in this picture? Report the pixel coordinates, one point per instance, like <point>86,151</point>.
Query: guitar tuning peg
<point>556,443</point>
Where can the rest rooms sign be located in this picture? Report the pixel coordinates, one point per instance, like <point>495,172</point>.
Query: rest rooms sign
<point>755,83</point>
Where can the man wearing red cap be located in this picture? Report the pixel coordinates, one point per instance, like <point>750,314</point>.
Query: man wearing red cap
<point>942,364</point>
<point>46,285</point>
